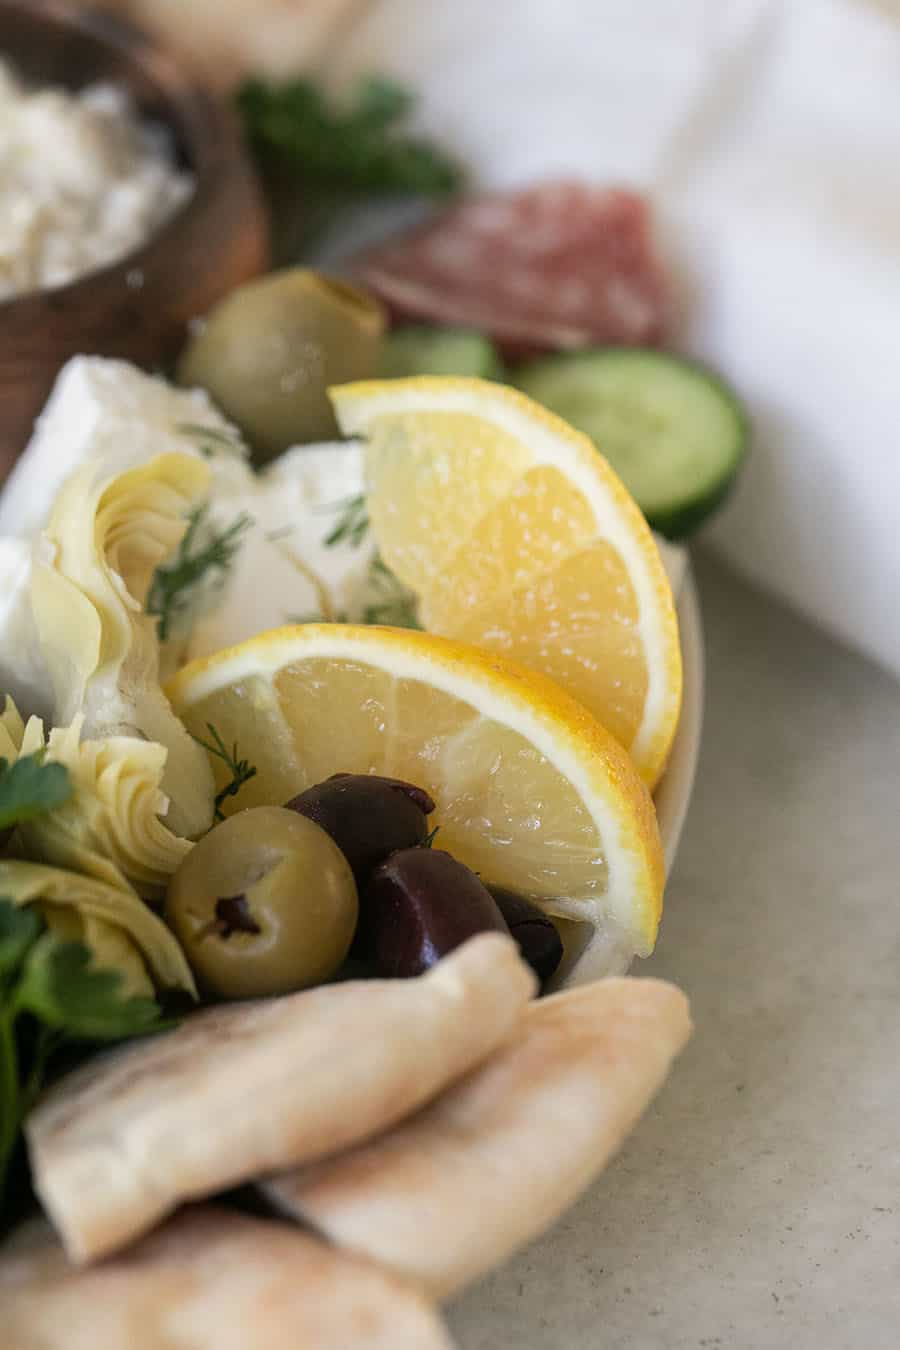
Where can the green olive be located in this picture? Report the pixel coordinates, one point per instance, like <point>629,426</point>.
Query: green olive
<point>263,904</point>
<point>268,352</point>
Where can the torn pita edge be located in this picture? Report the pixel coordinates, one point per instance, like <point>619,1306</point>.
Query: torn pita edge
<point>209,1276</point>
<point>453,1191</point>
<point>122,1142</point>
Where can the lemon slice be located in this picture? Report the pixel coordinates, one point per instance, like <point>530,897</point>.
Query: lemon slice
<point>531,791</point>
<point>518,536</point>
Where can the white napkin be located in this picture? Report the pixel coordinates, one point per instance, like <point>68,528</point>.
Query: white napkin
<point>768,133</point>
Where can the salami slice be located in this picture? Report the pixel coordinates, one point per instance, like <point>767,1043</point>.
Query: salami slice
<point>557,266</point>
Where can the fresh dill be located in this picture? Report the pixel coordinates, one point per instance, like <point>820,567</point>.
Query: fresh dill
<point>353,524</point>
<point>209,440</point>
<point>341,617</point>
<point>241,770</point>
<point>391,603</point>
<point>174,581</point>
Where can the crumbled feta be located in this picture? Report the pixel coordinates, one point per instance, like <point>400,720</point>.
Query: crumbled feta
<point>83,182</point>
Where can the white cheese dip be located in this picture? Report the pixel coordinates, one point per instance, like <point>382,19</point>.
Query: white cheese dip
<point>83,181</point>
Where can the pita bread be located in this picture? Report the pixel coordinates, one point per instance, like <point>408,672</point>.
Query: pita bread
<point>238,1092</point>
<point>211,1279</point>
<point>452,1192</point>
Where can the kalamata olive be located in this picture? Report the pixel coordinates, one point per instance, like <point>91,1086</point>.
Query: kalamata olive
<point>536,933</point>
<point>367,817</point>
<point>268,352</point>
<point>263,904</point>
<point>418,905</point>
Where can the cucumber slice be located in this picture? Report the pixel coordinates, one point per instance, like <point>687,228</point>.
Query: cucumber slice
<point>674,433</point>
<point>439,351</point>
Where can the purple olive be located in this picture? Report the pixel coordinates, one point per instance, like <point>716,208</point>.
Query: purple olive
<point>418,905</point>
<point>367,817</point>
<point>536,933</point>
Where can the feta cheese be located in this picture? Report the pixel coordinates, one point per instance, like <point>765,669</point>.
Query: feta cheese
<point>101,407</point>
<point>286,572</point>
<point>83,182</point>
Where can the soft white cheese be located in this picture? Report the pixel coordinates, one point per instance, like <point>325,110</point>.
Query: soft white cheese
<point>83,182</point>
<point>285,571</point>
<point>101,407</point>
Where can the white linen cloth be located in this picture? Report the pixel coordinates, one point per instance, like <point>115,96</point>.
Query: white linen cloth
<point>768,135</point>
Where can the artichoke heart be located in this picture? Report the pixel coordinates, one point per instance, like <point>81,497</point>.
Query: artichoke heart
<point>106,536</point>
<point>121,931</point>
<point>111,827</point>
<point>12,732</point>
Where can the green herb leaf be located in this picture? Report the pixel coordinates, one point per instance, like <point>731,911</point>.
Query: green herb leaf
<point>241,770</point>
<point>429,839</point>
<point>64,997</point>
<point>173,582</point>
<point>62,988</point>
<point>198,432</point>
<point>19,930</point>
<point>357,145</point>
<point>352,525</point>
<point>392,604</point>
<point>209,440</point>
<point>30,788</point>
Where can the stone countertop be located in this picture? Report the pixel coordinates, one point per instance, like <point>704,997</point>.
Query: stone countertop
<point>757,1206</point>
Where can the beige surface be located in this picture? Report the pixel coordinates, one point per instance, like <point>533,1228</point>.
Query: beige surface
<point>756,1206</point>
<point>238,1091</point>
<point>208,1278</point>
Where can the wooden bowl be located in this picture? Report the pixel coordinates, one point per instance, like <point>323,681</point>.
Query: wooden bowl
<point>137,308</point>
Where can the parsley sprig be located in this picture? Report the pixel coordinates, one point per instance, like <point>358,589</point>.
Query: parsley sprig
<point>174,582</point>
<point>357,144</point>
<point>51,995</point>
<point>241,770</point>
<point>30,787</point>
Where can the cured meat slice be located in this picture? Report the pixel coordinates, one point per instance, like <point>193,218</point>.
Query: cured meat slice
<point>557,266</point>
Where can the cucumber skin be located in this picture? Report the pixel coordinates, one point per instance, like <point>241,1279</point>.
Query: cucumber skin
<point>685,520</point>
<point>493,370</point>
<point>680,521</point>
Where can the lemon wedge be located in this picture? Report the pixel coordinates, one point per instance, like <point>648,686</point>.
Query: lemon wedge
<point>532,792</point>
<point>517,536</point>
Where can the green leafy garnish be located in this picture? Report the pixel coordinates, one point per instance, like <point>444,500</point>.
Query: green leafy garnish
<point>392,603</point>
<point>241,770</point>
<point>209,440</point>
<point>358,145</point>
<point>64,991</point>
<point>19,930</point>
<point>51,995</point>
<point>173,582</point>
<point>352,525</point>
<point>31,787</point>
<point>429,839</point>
